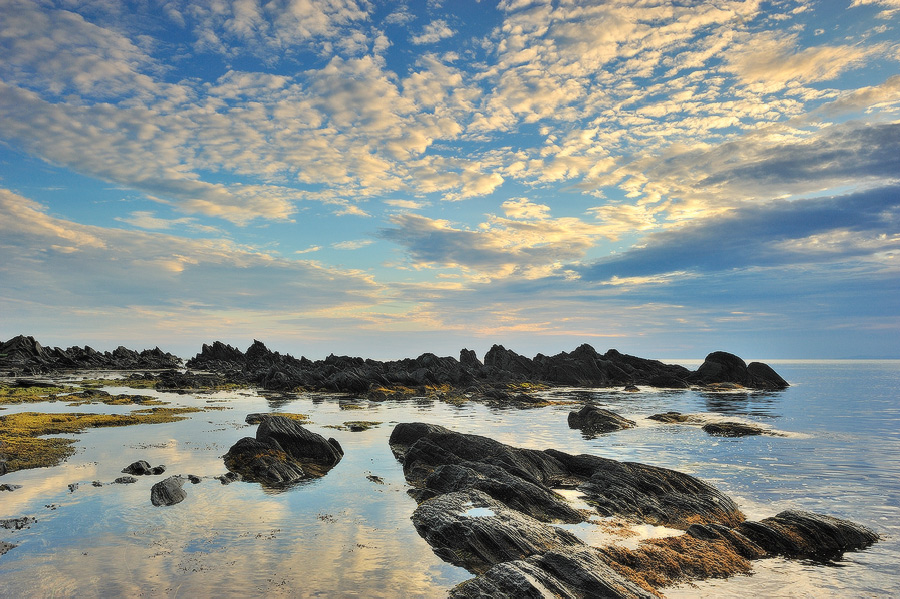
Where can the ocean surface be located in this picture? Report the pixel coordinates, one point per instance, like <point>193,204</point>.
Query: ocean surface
<point>837,451</point>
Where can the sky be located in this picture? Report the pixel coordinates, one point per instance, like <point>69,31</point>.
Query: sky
<point>385,178</point>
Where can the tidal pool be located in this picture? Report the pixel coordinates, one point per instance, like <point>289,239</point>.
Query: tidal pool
<point>349,534</point>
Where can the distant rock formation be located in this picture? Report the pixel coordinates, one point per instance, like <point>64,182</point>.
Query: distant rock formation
<point>583,367</point>
<point>24,355</point>
<point>490,508</point>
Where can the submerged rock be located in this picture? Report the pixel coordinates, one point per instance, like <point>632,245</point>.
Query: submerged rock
<point>733,429</point>
<point>283,452</point>
<point>168,491</point>
<point>592,420</point>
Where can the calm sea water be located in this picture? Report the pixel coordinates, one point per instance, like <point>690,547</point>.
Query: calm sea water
<point>349,535</point>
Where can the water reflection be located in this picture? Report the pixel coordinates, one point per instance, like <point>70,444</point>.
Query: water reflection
<point>348,535</point>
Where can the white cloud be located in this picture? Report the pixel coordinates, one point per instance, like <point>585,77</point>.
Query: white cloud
<point>434,32</point>
<point>354,244</point>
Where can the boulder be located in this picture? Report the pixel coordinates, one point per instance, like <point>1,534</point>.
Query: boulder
<point>592,420</point>
<point>168,491</point>
<point>283,452</point>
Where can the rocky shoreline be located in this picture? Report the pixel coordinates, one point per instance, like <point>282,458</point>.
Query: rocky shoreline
<point>496,510</point>
<point>502,375</point>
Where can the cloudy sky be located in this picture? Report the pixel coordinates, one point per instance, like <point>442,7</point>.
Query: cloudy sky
<point>384,178</point>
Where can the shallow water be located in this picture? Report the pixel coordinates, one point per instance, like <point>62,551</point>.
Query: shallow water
<point>837,451</point>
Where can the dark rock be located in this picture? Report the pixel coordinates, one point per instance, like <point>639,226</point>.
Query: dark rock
<point>229,477</point>
<point>722,367</point>
<point>802,534</point>
<point>672,417</point>
<point>194,480</point>
<point>10,488</point>
<point>668,381</point>
<point>16,523</point>
<point>142,468</point>
<point>283,452</point>
<point>24,354</point>
<point>473,530</point>
<point>125,480</point>
<point>733,429</point>
<point>5,547</point>
<point>593,421</point>
<point>96,483</point>
<point>630,388</point>
<point>485,506</point>
<point>168,491</point>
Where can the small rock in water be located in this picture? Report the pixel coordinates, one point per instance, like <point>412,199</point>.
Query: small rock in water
<point>193,478</point>
<point>97,483</point>
<point>73,487</point>
<point>168,491</point>
<point>125,480</point>
<point>733,429</point>
<point>8,487</point>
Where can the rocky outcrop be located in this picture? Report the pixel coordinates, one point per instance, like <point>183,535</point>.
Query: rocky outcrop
<point>583,367</point>
<point>491,508</point>
<point>722,367</point>
<point>593,421</point>
<point>24,355</point>
<point>283,452</point>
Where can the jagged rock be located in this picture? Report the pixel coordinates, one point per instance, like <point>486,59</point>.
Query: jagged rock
<point>485,506</point>
<point>473,530</point>
<point>592,420</point>
<point>733,429</point>
<point>229,477</point>
<point>283,452</point>
<point>168,491</point>
<point>23,354</point>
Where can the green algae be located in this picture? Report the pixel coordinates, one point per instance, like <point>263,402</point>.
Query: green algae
<point>22,445</point>
<point>15,394</point>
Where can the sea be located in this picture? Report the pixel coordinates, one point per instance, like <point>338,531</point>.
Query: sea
<point>833,448</point>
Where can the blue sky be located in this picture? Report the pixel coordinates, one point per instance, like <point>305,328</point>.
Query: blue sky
<point>387,178</point>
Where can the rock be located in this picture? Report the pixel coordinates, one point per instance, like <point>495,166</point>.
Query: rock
<point>96,483</point>
<point>73,487</point>
<point>486,506</point>
<point>24,354</point>
<point>672,417</point>
<point>168,491</point>
<point>800,534</point>
<point>733,429</point>
<point>473,530</point>
<point>722,367</point>
<point>283,452</point>
<point>125,480</point>
<point>229,477</point>
<point>593,421</point>
<point>194,480</point>
<point>142,468</point>
<point>16,523</point>
<point>5,547</point>
<point>10,488</point>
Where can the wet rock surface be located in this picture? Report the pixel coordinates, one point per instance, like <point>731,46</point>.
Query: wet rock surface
<point>491,508</point>
<point>592,420</point>
<point>283,452</point>
<point>168,491</point>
